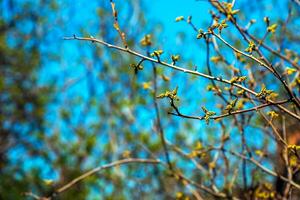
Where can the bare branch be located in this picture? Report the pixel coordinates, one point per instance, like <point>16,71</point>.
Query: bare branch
<point>97,169</point>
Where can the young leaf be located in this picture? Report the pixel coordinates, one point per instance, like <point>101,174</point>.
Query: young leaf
<point>146,40</point>
<point>179,18</point>
<point>272,28</point>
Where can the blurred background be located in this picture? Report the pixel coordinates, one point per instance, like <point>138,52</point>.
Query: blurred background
<point>70,106</point>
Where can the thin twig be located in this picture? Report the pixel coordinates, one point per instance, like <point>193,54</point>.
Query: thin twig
<point>231,113</point>
<point>97,169</point>
<point>263,168</point>
<point>158,121</point>
<point>34,196</point>
<point>220,79</point>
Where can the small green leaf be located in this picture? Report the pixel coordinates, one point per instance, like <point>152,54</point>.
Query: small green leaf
<point>272,28</point>
<point>179,18</point>
<point>290,71</point>
<point>175,58</point>
<point>231,105</point>
<point>146,40</point>
<point>251,47</point>
<point>208,114</point>
<point>238,79</point>
<point>264,93</point>
<point>272,114</point>
<point>169,94</point>
<point>157,53</point>
<point>200,34</point>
